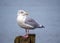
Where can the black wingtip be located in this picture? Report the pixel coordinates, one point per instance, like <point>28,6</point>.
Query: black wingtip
<point>42,26</point>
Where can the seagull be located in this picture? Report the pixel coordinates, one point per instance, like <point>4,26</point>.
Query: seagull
<point>24,21</point>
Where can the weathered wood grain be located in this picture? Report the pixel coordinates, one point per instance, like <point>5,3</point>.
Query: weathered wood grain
<point>30,39</point>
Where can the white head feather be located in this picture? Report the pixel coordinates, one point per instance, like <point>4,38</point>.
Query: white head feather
<point>22,12</point>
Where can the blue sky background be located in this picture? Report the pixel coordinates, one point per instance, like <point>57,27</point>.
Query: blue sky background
<point>46,12</point>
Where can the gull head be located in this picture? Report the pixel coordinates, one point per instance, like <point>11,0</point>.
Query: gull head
<point>22,13</point>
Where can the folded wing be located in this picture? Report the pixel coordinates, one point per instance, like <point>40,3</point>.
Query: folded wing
<point>32,22</point>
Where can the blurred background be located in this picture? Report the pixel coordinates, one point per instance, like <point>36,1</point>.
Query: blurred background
<point>46,12</point>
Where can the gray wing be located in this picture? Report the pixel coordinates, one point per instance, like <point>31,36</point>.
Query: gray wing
<point>32,22</point>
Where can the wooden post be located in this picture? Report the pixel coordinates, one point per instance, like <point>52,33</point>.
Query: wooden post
<point>30,39</point>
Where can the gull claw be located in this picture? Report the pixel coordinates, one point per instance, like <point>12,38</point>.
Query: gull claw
<point>25,36</point>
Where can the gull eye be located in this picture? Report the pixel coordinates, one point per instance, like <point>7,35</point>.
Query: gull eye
<point>22,12</point>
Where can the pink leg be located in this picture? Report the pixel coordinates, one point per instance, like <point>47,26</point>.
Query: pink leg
<point>26,31</point>
<point>26,35</point>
